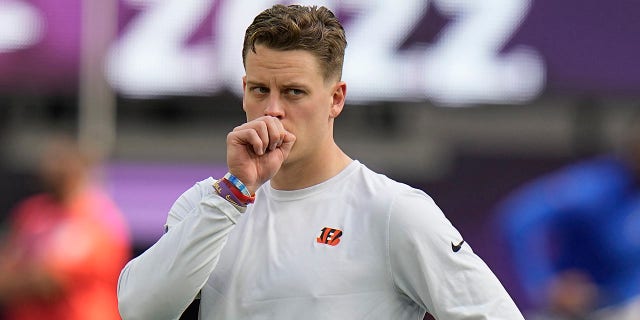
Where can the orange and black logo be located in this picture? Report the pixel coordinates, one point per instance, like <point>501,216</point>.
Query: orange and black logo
<point>329,236</point>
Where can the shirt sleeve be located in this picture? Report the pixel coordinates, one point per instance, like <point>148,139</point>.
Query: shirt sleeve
<point>163,281</point>
<point>450,284</point>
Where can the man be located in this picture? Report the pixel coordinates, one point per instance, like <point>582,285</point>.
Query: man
<point>326,237</point>
<point>65,247</point>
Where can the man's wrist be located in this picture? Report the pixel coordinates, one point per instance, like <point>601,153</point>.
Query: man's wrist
<point>238,184</point>
<point>230,188</point>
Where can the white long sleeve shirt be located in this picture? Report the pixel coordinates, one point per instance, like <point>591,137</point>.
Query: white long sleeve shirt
<point>357,246</point>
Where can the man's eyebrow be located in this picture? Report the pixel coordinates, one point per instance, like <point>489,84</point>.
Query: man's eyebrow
<point>294,84</point>
<point>290,84</point>
<point>255,83</point>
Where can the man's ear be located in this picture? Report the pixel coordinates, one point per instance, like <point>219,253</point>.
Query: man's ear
<point>339,96</point>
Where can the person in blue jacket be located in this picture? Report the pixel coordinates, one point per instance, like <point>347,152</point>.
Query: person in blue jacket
<point>574,238</point>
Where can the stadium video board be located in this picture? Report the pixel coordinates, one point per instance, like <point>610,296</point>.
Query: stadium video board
<point>453,52</point>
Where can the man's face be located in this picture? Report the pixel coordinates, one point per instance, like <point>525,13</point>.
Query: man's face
<point>289,85</point>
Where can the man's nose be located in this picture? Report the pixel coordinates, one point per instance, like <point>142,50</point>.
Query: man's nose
<point>274,107</point>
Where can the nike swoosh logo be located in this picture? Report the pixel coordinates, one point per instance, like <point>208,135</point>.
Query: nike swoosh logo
<point>456,247</point>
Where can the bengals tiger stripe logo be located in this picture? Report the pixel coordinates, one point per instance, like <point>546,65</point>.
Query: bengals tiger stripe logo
<point>329,236</point>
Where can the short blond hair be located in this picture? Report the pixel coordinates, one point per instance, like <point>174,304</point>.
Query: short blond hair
<point>294,27</point>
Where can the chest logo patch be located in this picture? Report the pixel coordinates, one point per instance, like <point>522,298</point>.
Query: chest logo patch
<point>329,236</point>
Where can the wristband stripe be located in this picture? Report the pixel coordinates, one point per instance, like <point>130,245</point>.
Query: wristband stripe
<point>244,199</point>
<point>238,184</point>
<point>223,190</point>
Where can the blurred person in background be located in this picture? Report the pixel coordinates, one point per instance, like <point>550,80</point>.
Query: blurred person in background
<point>574,236</point>
<point>65,247</point>
<point>297,229</point>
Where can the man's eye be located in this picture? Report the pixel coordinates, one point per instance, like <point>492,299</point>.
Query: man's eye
<point>295,92</point>
<point>260,90</point>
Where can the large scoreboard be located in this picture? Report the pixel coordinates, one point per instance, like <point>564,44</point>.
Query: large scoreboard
<point>452,52</point>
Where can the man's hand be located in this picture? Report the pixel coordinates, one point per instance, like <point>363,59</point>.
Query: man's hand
<point>257,149</point>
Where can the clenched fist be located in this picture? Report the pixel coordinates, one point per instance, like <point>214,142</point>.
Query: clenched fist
<point>257,149</point>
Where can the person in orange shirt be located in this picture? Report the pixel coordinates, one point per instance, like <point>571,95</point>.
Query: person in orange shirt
<point>65,247</point>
